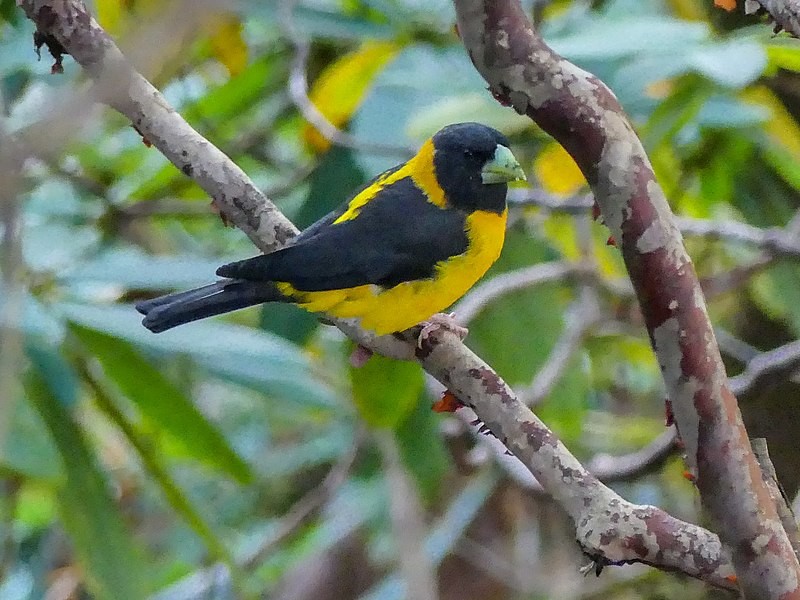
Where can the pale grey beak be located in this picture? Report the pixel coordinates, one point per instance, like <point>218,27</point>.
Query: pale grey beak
<point>503,168</point>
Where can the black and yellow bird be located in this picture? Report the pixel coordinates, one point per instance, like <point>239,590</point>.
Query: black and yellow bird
<point>405,247</point>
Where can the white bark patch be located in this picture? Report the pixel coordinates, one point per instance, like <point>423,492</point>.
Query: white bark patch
<point>680,389</point>
<point>764,564</point>
<point>612,521</point>
<point>614,177</point>
<point>672,236</point>
<point>654,238</point>
<point>502,39</point>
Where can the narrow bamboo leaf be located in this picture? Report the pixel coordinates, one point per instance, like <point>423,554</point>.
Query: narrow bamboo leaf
<point>245,355</point>
<point>162,402</point>
<point>28,449</point>
<point>55,371</point>
<point>105,548</point>
<point>152,461</point>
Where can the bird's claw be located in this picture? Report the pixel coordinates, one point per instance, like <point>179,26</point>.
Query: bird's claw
<point>446,321</point>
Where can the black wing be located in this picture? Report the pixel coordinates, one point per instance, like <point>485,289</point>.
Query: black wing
<point>398,236</point>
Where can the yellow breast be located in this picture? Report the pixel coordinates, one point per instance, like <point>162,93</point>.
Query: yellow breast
<point>407,304</point>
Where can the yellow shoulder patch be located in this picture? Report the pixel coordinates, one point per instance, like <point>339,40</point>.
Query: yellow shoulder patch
<point>361,199</point>
<point>422,172</point>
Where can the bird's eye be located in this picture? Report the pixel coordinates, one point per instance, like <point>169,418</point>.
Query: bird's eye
<point>468,153</point>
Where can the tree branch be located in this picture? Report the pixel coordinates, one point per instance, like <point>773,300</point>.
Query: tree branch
<point>766,367</point>
<point>582,114</point>
<point>298,92</point>
<point>785,13</point>
<point>609,528</point>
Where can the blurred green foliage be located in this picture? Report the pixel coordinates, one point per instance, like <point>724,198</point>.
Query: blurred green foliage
<point>131,463</point>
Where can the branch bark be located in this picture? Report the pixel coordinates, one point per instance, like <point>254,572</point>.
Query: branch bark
<point>582,114</point>
<point>610,529</point>
<point>785,13</point>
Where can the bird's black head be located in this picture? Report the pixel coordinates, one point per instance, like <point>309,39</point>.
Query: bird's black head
<point>473,165</point>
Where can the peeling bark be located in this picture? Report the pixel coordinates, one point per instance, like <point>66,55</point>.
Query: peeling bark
<point>582,114</point>
<point>785,13</point>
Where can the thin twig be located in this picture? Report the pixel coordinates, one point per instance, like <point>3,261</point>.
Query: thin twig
<point>778,241</point>
<point>782,502</point>
<point>608,468</point>
<point>307,507</point>
<point>481,295</point>
<point>298,92</point>
<point>768,366</point>
<point>624,467</point>
<point>580,318</point>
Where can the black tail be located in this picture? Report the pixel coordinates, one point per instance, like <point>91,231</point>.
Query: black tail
<point>224,296</point>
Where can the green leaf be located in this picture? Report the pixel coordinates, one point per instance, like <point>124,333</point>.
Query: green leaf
<point>612,39</point>
<point>134,269</point>
<point>385,391</point>
<point>28,448</point>
<point>720,111</point>
<point>319,22</point>
<point>104,546</point>
<point>162,402</point>
<point>423,451</point>
<point>734,63</point>
<point>675,112</point>
<point>9,11</point>
<point>565,408</point>
<point>55,371</point>
<point>783,54</point>
<point>244,355</point>
<point>152,461</point>
<point>501,333</point>
<point>777,293</point>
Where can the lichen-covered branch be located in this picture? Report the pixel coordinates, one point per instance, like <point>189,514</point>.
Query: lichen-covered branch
<point>581,113</point>
<point>608,528</point>
<point>785,13</point>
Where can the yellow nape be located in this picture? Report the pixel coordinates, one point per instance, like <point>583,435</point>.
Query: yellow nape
<point>419,168</point>
<point>385,311</point>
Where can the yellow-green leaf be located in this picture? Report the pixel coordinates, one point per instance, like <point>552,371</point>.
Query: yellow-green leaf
<point>385,391</point>
<point>105,547</point>
<point>557,172</point>
<point>343,85</point>
<point>782,128</point>
<point>227,43</point>
<point>109,14</point>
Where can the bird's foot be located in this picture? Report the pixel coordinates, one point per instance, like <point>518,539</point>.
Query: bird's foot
<point>446,321</point>
<point>449,403</point>
<point>359,356</point>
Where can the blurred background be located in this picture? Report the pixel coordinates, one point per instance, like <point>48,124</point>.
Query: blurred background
<point>243,457</point>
